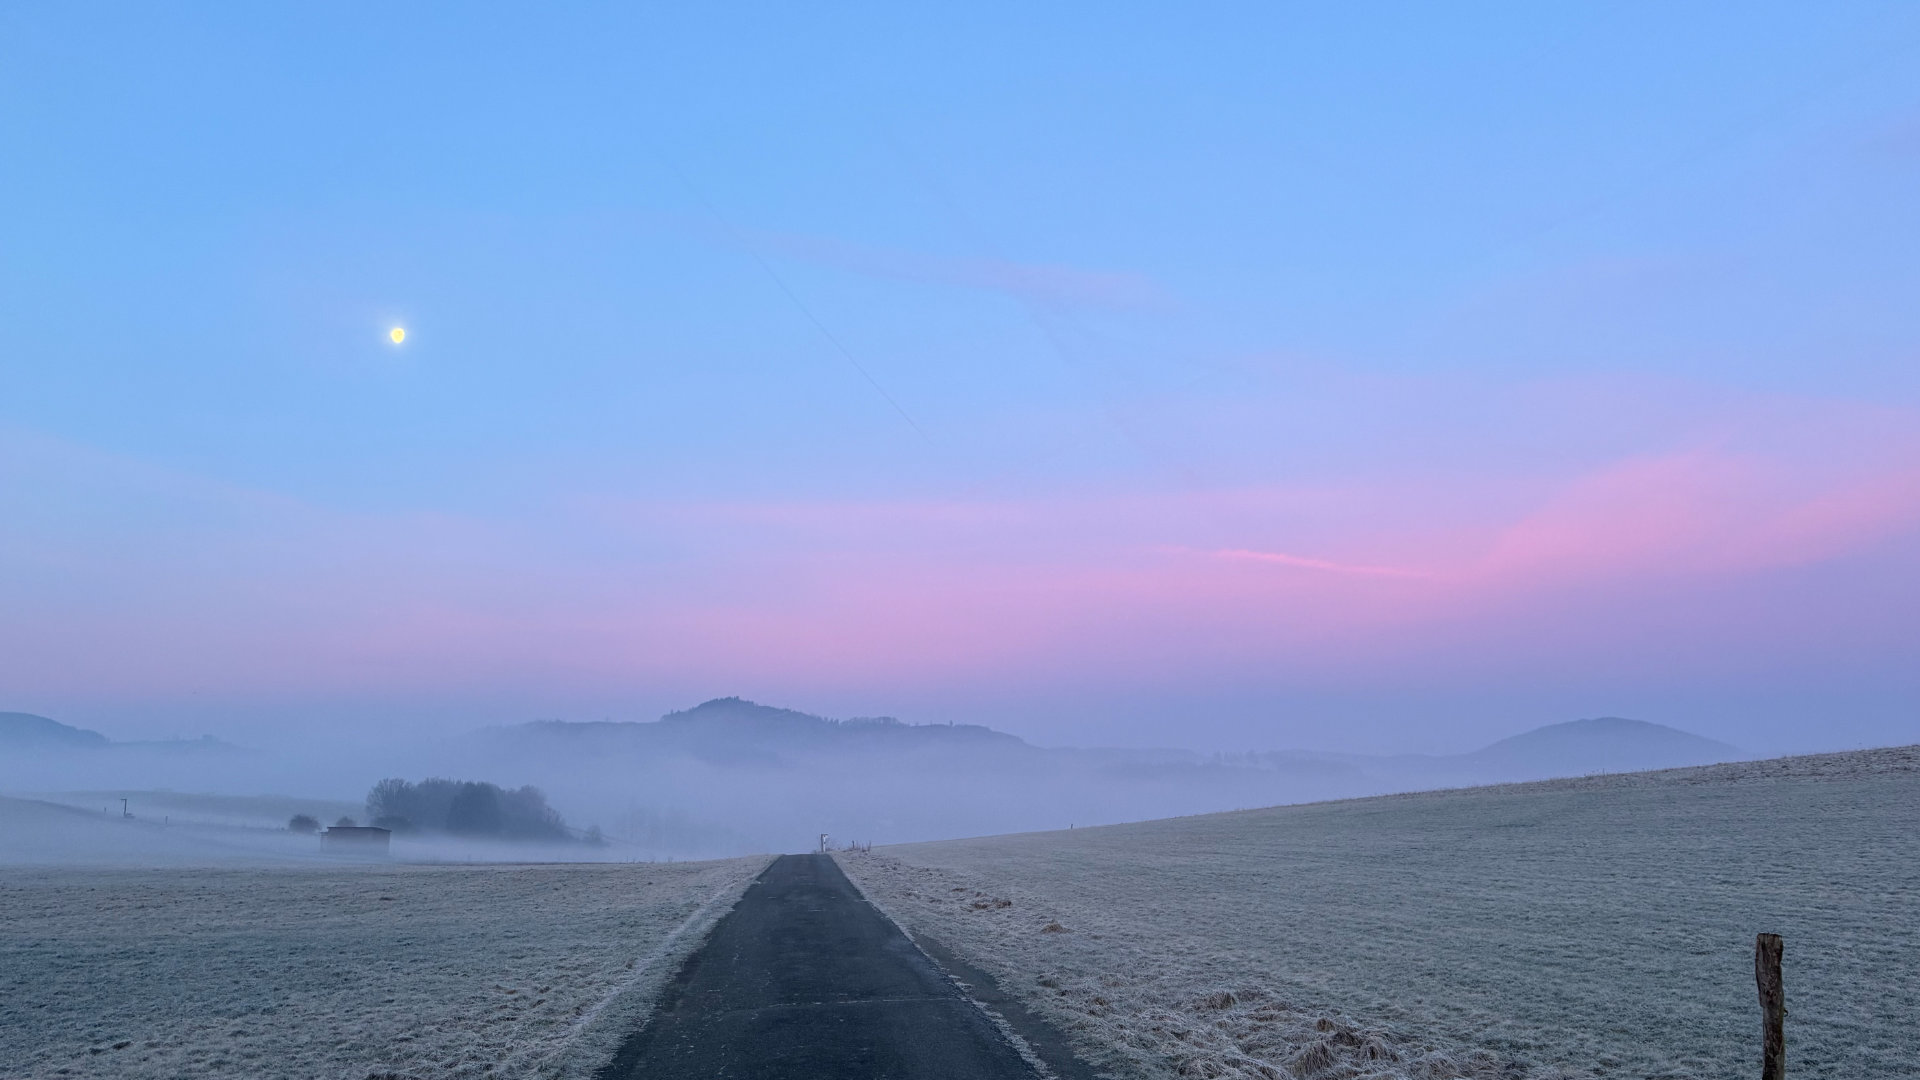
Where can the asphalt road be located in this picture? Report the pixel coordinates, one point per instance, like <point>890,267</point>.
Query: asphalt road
<point>805,980</point>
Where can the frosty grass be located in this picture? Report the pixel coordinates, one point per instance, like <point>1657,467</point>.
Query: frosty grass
<point>1600,926</point>
<point>400,971</point>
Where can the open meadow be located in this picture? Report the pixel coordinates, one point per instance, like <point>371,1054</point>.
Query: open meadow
<point>1598,926</point>
<point>348,972</point>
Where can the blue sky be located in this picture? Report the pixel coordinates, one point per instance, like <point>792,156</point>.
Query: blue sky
<point>732,328</point>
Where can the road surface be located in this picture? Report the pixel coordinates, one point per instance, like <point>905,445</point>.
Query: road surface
<point>805,980</point>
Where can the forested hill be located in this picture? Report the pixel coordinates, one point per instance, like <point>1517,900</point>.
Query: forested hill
<point>733,729</point>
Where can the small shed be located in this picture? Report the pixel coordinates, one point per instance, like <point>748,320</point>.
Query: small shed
<point>358,839</point>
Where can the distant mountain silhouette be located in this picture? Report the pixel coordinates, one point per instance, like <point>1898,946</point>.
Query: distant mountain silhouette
<point>25,731</point>
<point>737,731</point>
<point>731,772</point>
<point>40,754</point>
<point>1606,744</point>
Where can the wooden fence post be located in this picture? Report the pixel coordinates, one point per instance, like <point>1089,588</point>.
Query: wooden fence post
<point>1773,1006</point>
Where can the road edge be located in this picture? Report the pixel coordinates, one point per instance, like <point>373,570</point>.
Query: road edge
<point>602,1031</point>
<point>1038,1041</point>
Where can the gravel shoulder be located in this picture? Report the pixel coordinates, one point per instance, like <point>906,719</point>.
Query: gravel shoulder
<point>404,971</point>
<point>1601,926</point>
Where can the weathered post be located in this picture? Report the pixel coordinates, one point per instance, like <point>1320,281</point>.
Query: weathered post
<point>1773,1006</point>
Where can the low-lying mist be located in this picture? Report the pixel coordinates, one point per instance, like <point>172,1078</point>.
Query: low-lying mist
<point>727,777</point>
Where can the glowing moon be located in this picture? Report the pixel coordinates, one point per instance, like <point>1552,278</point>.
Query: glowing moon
<point>397,334</point>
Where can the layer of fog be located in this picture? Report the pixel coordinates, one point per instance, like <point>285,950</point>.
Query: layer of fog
<point>726,778</point>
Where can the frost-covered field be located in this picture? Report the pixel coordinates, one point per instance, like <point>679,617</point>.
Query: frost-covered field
<point>416,971</point>
<point>1601,925</point>
<point>224,831</point>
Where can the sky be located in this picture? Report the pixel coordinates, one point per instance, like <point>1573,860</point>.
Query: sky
<point>1385,377</point>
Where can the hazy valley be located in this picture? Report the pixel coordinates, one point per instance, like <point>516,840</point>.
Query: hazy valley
<point>732,777</point>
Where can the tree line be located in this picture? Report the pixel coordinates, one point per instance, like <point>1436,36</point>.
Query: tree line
<point>465,808</point>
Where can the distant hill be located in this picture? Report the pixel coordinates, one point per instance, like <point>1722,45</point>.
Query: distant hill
<point>737,731</point>
<point>730,775</point>
<point>25,731</point>
<point>1606,744</point>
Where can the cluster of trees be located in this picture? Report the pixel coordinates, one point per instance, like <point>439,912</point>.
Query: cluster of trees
<point>307,823</point>
<point>465,808</point>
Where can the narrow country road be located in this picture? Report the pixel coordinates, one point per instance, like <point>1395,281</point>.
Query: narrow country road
<point>805,980</point>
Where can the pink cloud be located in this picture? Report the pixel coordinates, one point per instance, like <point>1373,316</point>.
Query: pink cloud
<point>1645,515</point>
<point>1701,513</point>
<point>189,583</point>
<point>1279,558</point>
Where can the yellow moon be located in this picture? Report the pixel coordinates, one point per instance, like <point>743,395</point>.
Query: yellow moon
<point>397,334</point>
